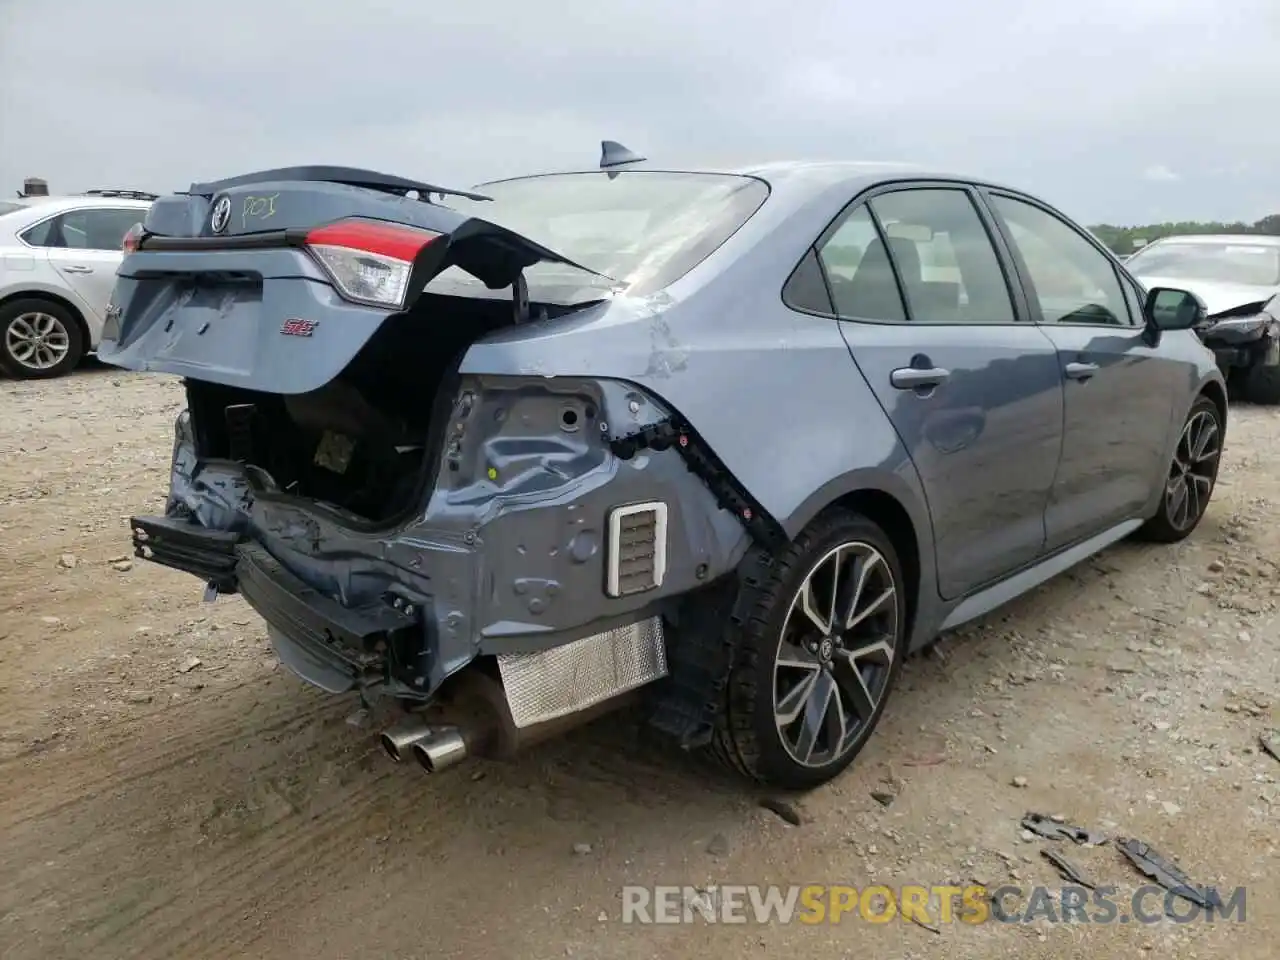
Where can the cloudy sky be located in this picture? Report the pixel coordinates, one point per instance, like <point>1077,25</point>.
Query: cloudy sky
<point>1117,110</point>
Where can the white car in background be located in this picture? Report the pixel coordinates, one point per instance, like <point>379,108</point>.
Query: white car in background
<point>58,261</point>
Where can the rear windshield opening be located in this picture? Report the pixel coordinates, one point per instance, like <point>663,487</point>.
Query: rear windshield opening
<point>645,229</point>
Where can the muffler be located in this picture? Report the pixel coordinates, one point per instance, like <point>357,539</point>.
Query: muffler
<point>480,724</point>
<point>441,748</point>
<point>398,740</point>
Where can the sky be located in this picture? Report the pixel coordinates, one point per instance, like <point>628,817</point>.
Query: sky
<point>1119,111</point>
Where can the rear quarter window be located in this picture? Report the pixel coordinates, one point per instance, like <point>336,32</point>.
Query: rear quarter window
<point>38,236</point>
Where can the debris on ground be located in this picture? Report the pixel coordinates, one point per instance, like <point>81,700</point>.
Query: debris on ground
<point>1068,869</point>
<point>786,810</point>
<point>190,664</point>
<point>920,923</point>
<point>718,845</point>
<point>1053,828</point>
<point>931,760</point>
<point>1163,871</point>
<point>1019,782</point>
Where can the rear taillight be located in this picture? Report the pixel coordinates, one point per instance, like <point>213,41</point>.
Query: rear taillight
<point>131,238</point>
<point>369,261</point>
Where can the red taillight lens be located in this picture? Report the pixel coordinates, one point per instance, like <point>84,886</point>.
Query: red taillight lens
<point>368,261</point>
<point>131,238</point>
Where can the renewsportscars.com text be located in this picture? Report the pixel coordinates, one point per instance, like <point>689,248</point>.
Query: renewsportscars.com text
<point>830,904</point>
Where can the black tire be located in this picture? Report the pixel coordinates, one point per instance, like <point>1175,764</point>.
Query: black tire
<point>751,738</point>
<point>1262,385</point>
<point>1194,472</point>
<point>39,339</point>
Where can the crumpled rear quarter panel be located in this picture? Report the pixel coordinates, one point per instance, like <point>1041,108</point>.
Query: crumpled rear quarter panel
<point>508,555</point>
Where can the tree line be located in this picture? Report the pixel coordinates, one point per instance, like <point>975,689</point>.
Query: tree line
<point>1125,240</point>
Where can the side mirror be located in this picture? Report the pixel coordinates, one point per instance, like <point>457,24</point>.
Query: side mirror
<point>1168,308</point>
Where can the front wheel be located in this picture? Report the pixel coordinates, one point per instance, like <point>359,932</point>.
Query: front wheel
<point>817,656</point>
<point>1191,478</point>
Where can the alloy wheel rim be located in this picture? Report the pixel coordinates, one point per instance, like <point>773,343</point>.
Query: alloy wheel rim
<point>1194,469</point>
<point>38,341</point>
<point>835,654</point>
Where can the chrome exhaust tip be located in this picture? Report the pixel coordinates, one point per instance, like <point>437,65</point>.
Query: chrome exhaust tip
<point>441,748</point>
<point>397,740</point>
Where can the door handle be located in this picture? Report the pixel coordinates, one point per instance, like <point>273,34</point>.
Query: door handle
<point>918,378</point>
<point>76,268</point>
<point>1080,371</point>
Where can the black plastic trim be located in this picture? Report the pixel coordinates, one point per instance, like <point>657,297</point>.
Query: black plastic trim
<point>238,241</point>
<point>703,463</point>
<point>189,547</point>
<point>342,636</point>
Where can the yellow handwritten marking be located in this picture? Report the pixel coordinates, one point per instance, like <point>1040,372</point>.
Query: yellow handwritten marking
<point>261,207</point>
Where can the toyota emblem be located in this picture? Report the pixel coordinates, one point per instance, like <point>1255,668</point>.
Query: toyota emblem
<point>221,215</point>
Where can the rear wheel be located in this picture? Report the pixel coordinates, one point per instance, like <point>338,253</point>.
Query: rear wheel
<point>1262,385</point>
<point>816,657</point>
<point>1192,474</point>
<point>38,338</point>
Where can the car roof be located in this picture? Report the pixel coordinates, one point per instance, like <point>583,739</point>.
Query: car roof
<point>798,177</point>
<point>35,209</point>
<point>1258,239</point>
<point>30,201</point>
<point>72,201</point>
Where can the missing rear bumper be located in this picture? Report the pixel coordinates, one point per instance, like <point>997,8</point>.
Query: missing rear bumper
<point>334,647</point>
<point>183,545</point>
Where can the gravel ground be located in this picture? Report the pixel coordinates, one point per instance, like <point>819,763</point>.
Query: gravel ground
<point>166,791</point>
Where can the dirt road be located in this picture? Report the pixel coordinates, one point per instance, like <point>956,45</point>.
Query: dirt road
<point>166,791</point>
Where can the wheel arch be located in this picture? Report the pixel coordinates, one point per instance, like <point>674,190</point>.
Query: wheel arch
<point>894,519</point>
<point>48,297</point>
<point>1217,392</point>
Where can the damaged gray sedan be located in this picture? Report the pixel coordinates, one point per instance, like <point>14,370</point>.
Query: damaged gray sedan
<point>730,444</point>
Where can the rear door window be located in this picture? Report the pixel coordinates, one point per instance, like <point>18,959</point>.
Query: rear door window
<point>88,229</point>
<point>946,263</point>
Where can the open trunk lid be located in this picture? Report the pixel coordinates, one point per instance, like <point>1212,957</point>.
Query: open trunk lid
<point>274,281</point>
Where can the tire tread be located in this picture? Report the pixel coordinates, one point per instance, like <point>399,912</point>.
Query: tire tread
<point>734,743</point>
